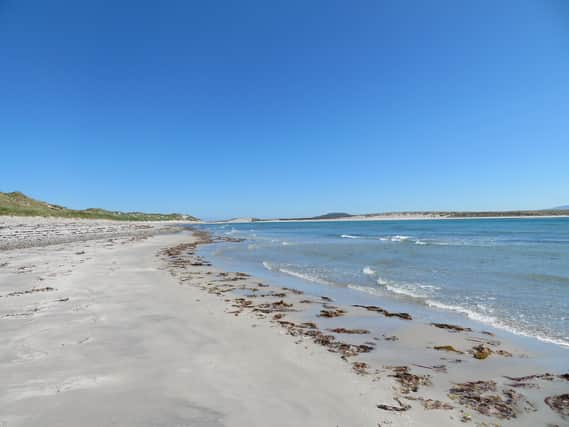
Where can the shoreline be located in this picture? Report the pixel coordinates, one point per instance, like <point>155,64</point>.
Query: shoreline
<point>90,320</point>
<point>493,366</point>
<point>358,218</point>
<point>428,309</point>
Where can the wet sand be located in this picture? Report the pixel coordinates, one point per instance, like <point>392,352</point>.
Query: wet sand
<point>137,329</point>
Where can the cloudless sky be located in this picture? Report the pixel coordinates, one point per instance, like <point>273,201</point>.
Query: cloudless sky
<point>284,108</point>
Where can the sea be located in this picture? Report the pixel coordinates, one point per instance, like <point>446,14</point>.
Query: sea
<point>509,274</point>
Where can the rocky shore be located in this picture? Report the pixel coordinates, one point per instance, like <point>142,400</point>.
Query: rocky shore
<point>23,232</point>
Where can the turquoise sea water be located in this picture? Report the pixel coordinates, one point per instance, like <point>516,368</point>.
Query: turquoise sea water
<point>512,274</point>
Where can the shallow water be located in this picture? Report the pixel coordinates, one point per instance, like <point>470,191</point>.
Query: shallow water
<point>511,274</point>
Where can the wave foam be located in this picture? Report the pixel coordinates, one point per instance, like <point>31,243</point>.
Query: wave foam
<point>365,289</point>
<point>368,270</point>
<point>304,276</point>
<point>404,291</point>
<point>407,289</point>
<point>349,236</point>
<point>268,265</point>
<point>495,322</point>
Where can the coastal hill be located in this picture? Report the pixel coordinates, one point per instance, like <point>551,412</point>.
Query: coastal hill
<point>342,216</point>
<point>560,211</point>
<point>18,204</point>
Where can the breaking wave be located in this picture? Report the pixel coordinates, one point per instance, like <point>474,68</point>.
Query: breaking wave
<point>494,322</point>
<point>304,276</point>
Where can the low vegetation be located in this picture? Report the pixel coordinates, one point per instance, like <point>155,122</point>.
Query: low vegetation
<point>18,204</point>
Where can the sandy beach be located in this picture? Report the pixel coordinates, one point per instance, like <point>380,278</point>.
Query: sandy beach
<point>107,323</point>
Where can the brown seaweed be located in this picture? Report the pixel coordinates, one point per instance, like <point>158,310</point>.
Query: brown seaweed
<point>349,331</point>
<point>401,408</point>
<point>453,328</point>
<point>559,404</point>
<point>404,316</point>
<point>481,396</point>
<point>447,348</point>
<point>481,352</point>
<point>431,404</point>
<point>409,382</point>
<point>332,313</point>
<point>360,368</point>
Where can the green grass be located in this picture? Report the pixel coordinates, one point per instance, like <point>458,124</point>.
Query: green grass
<point>18,204</point>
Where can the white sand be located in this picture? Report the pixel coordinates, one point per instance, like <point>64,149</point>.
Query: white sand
<point>132,347</point>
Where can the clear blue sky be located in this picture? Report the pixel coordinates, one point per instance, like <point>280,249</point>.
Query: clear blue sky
<point>282,108</point>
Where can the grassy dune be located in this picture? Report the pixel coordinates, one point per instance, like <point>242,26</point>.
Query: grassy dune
<point>18,204</point>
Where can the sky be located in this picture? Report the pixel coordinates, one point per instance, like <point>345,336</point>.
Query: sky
<point>286,108</point>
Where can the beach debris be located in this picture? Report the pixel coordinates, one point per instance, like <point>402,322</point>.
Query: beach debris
<point>409,382</point>
<point>22,314</point>
<point>436,368</point>
<point>306,301</point>
<point>503,353</point>
<point>278,295</point>
<point>488,333</point>
<point>546,377</point>
<point>559,404</point>
<point>25,268</point>
<point>286,323</point>
<point>310,325</point>
<point>361,368</point>
<point>431,403</point>
<point>390,338</point>
<point>452,328</point>
<point>294,291</point>
<point>242,302</point>
<point>279,306</point>
<point>494,343</point>
<point>518,401</point>
<point>404,316</point>
<point>326,299</point>
<point>482,397</point>
<point>239,274</point>
<point>449,348</point>
<point>332,313</point>
<point>523,385</point>
<point>329,306</point>
<point>481,352</point>
<point>401,408</point>
<point>325,340</point>
<point>30,291</point>
<point>349,350</point>
<point>349,331</point>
